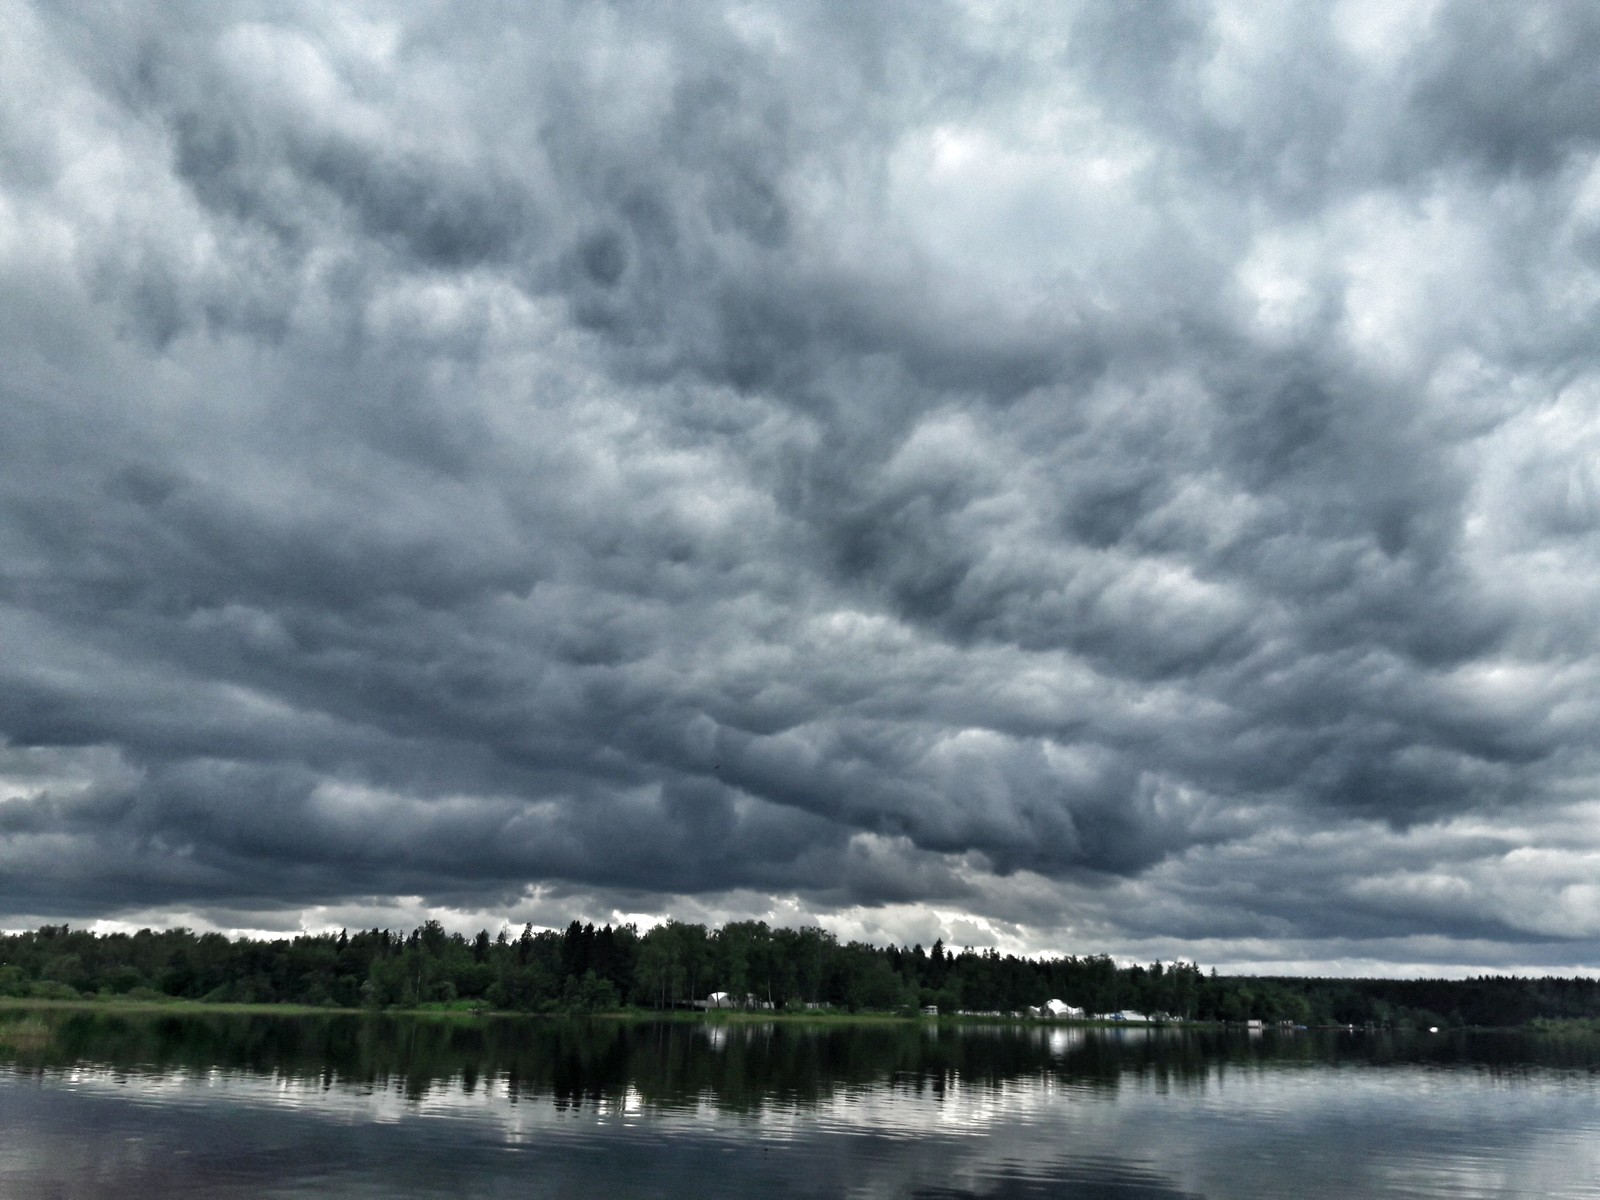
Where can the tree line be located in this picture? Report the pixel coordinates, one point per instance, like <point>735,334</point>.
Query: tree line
<point>587,969</point>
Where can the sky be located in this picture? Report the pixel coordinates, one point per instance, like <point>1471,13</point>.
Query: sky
<point>1105,478</point>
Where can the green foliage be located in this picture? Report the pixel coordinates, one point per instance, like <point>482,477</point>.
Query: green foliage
<point>50,989</point>
<point>146,995</point>
<point>589,994</point>
<point>582,969</point>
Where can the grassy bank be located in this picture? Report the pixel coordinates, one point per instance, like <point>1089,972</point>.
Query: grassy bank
<point>466,1010</point>
<point>457,1010</point>
<point>124,1004</point>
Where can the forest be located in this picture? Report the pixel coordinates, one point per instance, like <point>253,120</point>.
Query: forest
<point>585,969</point>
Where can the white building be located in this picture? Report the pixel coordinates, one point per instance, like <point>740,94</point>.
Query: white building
<point>1060,1008</point>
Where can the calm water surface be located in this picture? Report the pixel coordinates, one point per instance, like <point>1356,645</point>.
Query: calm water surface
<point>96,1106</point>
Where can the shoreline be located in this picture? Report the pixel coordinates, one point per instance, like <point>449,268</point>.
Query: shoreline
<point>188,1007</point>
<point>178,1005</point>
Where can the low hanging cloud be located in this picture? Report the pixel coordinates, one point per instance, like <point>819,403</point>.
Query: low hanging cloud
<point>1105,477</point>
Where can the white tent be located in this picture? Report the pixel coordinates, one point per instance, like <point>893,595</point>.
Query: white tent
<point>1060,1008</point>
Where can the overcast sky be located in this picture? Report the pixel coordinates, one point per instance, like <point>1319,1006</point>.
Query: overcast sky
<point>1114,478</point>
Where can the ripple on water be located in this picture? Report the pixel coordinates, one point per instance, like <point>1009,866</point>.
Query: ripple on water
<point>1021,1122</point>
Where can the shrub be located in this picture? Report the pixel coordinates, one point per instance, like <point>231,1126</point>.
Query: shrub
<point>52,989</point>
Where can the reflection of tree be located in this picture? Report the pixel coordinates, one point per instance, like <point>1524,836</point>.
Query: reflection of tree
<point>581,1063</point>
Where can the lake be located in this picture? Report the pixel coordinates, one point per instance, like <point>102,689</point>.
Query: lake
<point>99,1104</point>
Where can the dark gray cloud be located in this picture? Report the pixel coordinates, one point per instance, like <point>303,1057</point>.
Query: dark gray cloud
<point>1073,478</point>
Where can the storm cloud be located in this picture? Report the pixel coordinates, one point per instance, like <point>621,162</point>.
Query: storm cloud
<point>1109,477</point>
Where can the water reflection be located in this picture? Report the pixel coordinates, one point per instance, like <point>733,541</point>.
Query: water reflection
<point>98,1104</point>
<point>739,1067</point>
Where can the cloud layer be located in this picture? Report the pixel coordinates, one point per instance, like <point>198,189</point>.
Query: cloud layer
<point>1106,478</point>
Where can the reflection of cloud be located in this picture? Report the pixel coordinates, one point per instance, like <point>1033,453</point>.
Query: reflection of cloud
<point>1266,1129</point>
